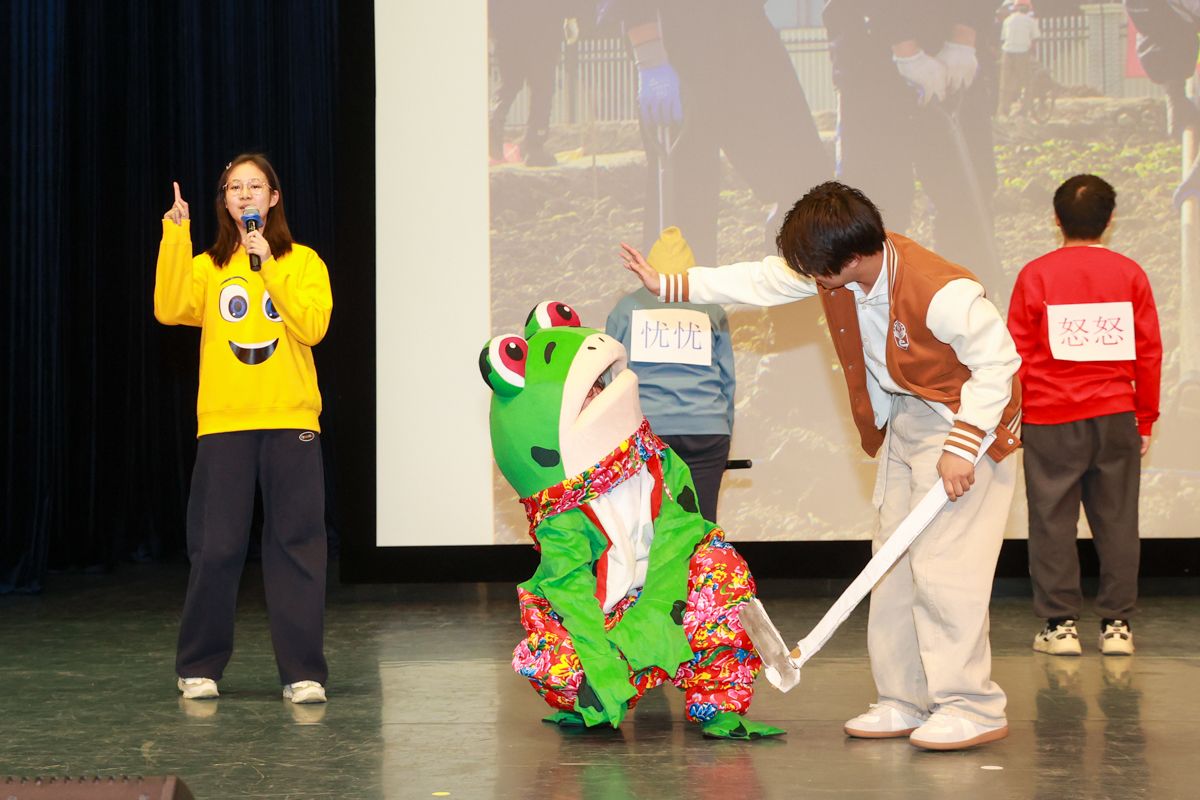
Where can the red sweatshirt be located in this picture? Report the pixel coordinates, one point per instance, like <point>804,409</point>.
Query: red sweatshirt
<point>1058,391</point>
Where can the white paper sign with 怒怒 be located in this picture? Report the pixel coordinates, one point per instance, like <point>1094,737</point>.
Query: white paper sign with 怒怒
<point>670,336</point>
<point>1091,331</point>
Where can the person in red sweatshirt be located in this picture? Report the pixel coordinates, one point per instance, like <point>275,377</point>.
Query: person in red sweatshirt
<point>1086,327</point>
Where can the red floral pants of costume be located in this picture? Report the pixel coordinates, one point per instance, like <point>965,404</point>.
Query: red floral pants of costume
<point>720,677</point>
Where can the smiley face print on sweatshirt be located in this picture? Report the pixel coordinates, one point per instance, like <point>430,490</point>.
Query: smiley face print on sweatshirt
<point>253,323</point>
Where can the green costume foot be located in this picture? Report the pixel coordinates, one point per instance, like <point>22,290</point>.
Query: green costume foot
<point>728,725</point>
<point>565,719</point>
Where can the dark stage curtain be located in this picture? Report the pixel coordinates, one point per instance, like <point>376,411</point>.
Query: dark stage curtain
<point>106,102</point>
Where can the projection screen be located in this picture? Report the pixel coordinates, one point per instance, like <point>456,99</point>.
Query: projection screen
<point>477,223</point>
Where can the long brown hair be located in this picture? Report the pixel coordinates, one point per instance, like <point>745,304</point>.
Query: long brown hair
<point>275,227</point>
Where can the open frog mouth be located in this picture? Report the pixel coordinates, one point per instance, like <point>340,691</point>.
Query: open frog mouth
<point>255,353</point>
<point>600,406</point>
<point>594,382</point>
<point>595,391</point>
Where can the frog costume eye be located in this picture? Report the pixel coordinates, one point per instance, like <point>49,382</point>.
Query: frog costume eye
<point>502,364</point>
<point>550,314</point>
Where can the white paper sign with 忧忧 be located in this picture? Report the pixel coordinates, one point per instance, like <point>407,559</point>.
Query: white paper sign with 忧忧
<point>1091,331</point>
<point>670,336</point>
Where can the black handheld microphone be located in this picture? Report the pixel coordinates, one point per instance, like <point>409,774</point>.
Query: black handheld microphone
<point>253,222</point>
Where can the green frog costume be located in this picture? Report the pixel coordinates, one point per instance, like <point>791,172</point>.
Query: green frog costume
<point>634,588</point>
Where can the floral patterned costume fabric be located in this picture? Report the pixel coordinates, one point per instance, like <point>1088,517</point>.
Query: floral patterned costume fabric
<point>719,677</point>
<point>621,464</point>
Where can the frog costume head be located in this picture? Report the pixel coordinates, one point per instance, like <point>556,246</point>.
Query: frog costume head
<point>553,413</point>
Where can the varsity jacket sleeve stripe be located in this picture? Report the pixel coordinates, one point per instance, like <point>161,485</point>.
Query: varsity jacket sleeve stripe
<point>673,288</point>
<point>964,440</point>
<point>757,283</point>
<point>960,316</point>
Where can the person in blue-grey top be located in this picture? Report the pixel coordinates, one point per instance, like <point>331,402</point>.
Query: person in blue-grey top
<point>689,405</point>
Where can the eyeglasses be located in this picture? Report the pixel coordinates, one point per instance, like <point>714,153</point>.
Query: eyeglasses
<point>253,187</point>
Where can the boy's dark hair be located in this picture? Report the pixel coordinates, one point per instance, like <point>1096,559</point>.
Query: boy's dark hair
<point>1084,205</point>
<point>831,224</point>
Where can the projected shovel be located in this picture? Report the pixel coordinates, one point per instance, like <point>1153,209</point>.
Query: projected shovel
<point>783,665</point>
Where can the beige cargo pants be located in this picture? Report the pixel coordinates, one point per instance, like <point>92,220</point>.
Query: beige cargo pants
<point>927,633</point>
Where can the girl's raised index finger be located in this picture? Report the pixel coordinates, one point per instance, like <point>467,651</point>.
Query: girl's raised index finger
<point>178,196</point>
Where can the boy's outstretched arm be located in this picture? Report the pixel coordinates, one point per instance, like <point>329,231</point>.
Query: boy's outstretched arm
<point>769,282</point>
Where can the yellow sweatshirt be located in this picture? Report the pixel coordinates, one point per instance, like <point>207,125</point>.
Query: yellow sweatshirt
<point>257,330</point>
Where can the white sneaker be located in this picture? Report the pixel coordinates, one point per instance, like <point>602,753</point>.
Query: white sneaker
<point>1116,639</point>
<point>197,688</point>
<point>881,722</point>
<point>1058,638</point>
<point>304,692</point>
<point>949,732</point>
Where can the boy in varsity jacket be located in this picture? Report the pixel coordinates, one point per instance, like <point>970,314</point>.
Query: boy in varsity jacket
<point>931,370</point>
<point>1085,324</point>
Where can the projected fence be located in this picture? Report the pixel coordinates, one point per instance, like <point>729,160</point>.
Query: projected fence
<point>596,79</point>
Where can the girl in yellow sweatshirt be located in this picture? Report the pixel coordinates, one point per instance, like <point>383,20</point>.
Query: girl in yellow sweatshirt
<point>261,301</point>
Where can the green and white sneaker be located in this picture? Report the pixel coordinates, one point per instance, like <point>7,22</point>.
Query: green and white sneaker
<point>197,688</point>
<point>304,692</point>
<point>1116,638</point>
<point>1058,638</point>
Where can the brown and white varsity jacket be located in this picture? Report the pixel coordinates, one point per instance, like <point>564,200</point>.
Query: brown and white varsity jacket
<point>948,344</point>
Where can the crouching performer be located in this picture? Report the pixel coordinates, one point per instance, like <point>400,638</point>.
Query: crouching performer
<point>634,588</point>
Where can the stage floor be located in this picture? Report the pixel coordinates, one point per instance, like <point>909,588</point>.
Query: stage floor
<point>423,703</point>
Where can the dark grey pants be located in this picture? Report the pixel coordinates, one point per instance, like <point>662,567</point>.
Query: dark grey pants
<point>1097,462</point>
<point>287,465</point>
<point>705,456</point>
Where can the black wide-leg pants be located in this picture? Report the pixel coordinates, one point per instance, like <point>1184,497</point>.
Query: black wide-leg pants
<point>287,465</point>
